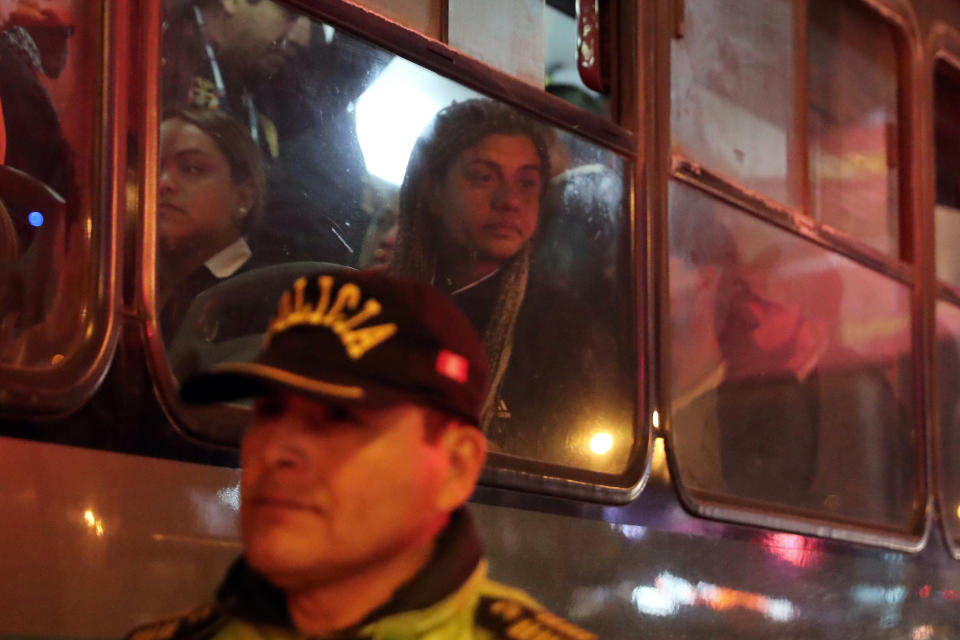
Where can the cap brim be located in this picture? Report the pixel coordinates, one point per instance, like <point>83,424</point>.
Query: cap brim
<point>239,380</point>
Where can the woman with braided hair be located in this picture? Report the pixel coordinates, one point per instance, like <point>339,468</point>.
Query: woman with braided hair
<point>469,209</point>
<point>470,215</point>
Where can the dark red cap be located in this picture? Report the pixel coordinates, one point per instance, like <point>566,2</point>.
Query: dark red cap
<point>360,337</point>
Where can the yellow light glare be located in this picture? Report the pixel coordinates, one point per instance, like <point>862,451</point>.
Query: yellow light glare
<point>88,516</point>
<point>601,443</point>
<point>958,510</point>
<point>99,528</point>
<point>655,419</point>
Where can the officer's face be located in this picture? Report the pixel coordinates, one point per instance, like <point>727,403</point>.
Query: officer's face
<point>489,200</point>
<point>265,35</point>
<point>199,204</point>
<point>330,491</point>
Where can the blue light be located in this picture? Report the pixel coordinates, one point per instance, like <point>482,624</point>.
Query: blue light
<point>35,218</point>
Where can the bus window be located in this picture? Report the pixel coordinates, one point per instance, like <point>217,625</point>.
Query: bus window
<point>791,376</point>
<point>947,333</point>
<point>852,120</point>
<point>734,93</point>
<point>54,308</point>
<point>327,149</point>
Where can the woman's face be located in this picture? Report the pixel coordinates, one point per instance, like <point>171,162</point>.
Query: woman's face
<point>489,200</point>
<point>199,205</point>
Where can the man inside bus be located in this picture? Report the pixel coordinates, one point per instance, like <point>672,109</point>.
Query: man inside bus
<point>217,52</point>
<point>362,451</point>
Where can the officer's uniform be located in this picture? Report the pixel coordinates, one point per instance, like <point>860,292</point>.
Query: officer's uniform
<point>450,598</point>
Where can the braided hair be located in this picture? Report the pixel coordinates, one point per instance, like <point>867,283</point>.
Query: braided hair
<point>455,129</point>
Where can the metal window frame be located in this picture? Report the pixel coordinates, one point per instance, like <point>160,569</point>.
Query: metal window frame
<point>50,394</point>
<point>899,15</point>
<point>501,471</point>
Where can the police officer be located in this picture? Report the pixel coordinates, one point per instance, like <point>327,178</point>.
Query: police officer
<point>361,454</point>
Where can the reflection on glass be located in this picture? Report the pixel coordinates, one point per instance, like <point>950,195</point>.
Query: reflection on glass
<point>47,106</point>
<point>733,93</point>
<point>790,369</point>
<point>852,122</point>
<point>947,353</point>
<point>371,160</point>
<point>947,142</point>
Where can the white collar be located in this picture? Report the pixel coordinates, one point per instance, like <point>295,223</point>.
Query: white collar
<point>228,260</point>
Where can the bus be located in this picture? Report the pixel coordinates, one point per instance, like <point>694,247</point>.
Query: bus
<point>739,410</point>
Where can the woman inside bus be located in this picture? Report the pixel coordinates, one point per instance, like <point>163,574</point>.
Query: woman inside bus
<point>469,216</point>
<point>210,190</point>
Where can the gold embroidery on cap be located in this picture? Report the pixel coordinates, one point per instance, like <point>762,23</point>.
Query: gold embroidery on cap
<point>294,310</point>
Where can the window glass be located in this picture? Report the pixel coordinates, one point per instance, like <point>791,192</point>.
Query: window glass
<point>947,145</point>
<point>948,396</point>
<point>852,121</point>
<point>49,66</point>
<point>790,370</point>
<point>319,147</point>
<point>733,94</point>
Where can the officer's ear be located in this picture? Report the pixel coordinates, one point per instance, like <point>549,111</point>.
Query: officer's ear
<point>466,449</point>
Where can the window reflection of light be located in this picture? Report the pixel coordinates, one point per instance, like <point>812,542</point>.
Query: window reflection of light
<point>670,592</point>
<point>393,111</point>
<point>601,443</point>
<point>923,632</point>
<point>797,550</point>
<point>230,496</point>
<point>655,419</point>
<point>93,522</point>
<point>35,219</point>
<point>958,510</point>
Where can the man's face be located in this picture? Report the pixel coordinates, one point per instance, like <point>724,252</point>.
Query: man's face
<point>489,201</point>
<point>263,35</point>
<point>329,490</point>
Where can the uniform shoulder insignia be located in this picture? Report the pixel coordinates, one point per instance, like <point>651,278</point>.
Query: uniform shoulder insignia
<point>514,620</point>
<point>196,624</point>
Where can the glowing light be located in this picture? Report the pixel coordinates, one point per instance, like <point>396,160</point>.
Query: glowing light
<point>655,419</point>
<point>797,550</point>
<point>99,528</point>
<point>89,517</point>
<point>57,359</point>
<point>393,111</point>
<point>958,510</point>
<point>670,592</point>
<point>35,219</point>
<point>923,632</point>
<point>230,496</point>
<point>601,443</point>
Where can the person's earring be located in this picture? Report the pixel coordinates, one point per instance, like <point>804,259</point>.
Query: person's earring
<point>241,215</point>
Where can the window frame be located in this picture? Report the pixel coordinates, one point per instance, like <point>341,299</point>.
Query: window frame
<point>45,394</point>
<point>501,470</point>
<point>907,268</point>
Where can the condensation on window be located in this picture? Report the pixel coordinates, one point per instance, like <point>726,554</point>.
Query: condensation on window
<point>853,120</point>
<point>733,94</point>
<point>790,373</point>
